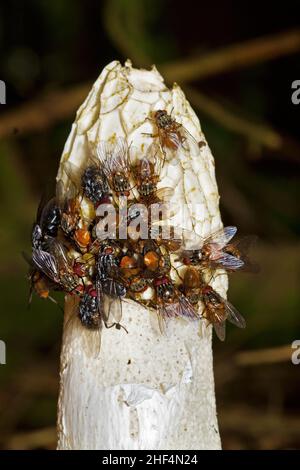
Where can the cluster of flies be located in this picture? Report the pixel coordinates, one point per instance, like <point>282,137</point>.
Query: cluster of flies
<point>68,256</point>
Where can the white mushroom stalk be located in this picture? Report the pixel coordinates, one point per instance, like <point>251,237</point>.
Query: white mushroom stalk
<point>144,390</point>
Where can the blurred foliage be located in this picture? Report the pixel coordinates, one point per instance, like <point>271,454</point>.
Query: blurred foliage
<point>49,45</point>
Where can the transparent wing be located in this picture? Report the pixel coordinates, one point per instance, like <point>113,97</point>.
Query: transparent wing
<point>169,151</point>
<point>180,308</point>
<point>228,262</point>
<point>65,192</point>
<point>186,309</point>
<point>165,194</point>
<point>104,153</point>
<point>60,192</point>
<point>120,156</point>
<point>221,237</point>
<point>59,253</point>
<point>154,156</point>
<point>189,240</point>
<point>113,156</point>
<point>46,263</point>
<point>243,246</point>
<point>161,319</point>
<point>112,310</point>
<point>188,142</point>
<point>45,210</point>
<point>89,339</point>
<point>74,173</point>
<point>220,330</point>
<point>234,316</point>
<point>133,155</point>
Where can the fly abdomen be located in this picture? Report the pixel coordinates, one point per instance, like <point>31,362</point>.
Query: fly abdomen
<point>94,184</point>
<point>88,311</point>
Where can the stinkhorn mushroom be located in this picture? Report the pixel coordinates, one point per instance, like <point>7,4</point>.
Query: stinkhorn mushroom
<point>145,389</point>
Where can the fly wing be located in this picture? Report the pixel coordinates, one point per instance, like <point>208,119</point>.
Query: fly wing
<point>243,245</point>
<point>90,338</point>
<point>189,143</point>
<point>104,153</point>
<point>220,330</point>
<point>161,319</point>
<point>115,311</point>
<point>112,309</point>
<point>46,263</point>
<point>65,192</point>
<point>186,309</point>
<point>74,173</point>
<point>45,211</point>
<point>229,262</point>
<point>221,237</point>
<point>180,308</point>
<point>234,316</point>
<point>119,161</point>
<point>153,156</point>
<point>59,253</point>
<point>165,194</point>
<point>60,193</point>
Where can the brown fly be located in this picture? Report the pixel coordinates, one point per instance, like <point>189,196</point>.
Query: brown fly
<point>114,162</point>
<point>218,251</point>
<point>216,309</point>
<point>173,136</point>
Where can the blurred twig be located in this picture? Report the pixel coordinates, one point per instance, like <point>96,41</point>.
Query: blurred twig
<point>266,428</point>
<point>55,106</point>
<point>233,57</point>
<point>43,112</point>
<point>260,133</point>
<point>115,22</point>
<point>40,439</point>
<point>264,356</point>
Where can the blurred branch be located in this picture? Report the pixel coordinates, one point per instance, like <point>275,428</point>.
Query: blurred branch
<point>257,424</point>
<point>59,105</point>
<point>259,132</point>
<point>41,439</point>
<point>233,57</point>
<point>264,356</point>
<point>43,112</point>
<point>56,106</point>
<point>287,148</point>
<point>115,22</point>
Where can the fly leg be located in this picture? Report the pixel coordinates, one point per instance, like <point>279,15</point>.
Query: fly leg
<point>117,325</point>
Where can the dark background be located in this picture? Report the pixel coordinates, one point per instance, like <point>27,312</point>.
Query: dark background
<point>51,52</point>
